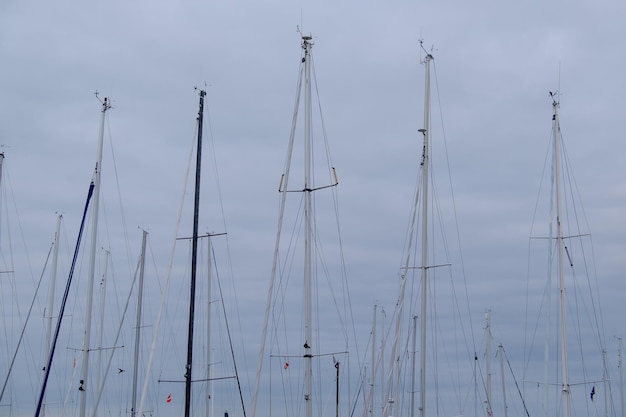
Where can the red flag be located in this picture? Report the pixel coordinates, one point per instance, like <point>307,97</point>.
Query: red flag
<point>286,365</point>
<point>169,398</point>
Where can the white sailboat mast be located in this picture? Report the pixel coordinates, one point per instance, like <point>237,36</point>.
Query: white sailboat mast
<point>1,169</point>
<point>621,375</point>
<point>133,410</point>
<point>413,354</point>
<point>488,360</point>
<point>382,359</point>
<point>565,387</point>
<point>208,411</point>
<point>393,381</point>
<point>370,410</point>
<point>92,262</point>
<point>501,352</point>
<point>425,164</point>
<point>308,251</point>
<point>50,308</point>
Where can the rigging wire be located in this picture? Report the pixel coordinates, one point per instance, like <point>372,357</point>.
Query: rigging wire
<point>230,340</point>
<point>21,337</point>
<point>276,258</point>
<point>164,293</point>
<point>6,191</point>
<point>456,221</point>
<point>527,347</point>
<point>121,200</point>
<point>63,302</point>
<point>214,164</point>
<point>332,177</point>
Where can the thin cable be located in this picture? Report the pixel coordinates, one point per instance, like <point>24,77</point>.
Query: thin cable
<point>230,340</point>
<point>63,303</point>
<point>165,285</point>
<point>30,309</point>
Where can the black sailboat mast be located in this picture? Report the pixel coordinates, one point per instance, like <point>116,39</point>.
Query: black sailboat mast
<point>194,252</point>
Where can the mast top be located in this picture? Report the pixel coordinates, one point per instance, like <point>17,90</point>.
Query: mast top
<point>555,103</point>
<point>554,96</point>
<point>307,43</point>
<point>304,37</point>
<point>429,55</point>
<point>106,102</point>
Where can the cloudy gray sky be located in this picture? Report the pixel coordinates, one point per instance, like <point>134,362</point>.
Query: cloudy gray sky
<point>494,63</point>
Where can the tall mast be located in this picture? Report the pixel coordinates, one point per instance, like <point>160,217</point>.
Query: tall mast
<point>425,164</point>
<point>92,263</point>
<point>382,359</point>
<point>208,329</point>
<point>488,360</point>
<point>133,409</point>
<point>501,351</point>
<point>370,406</point>
<point>51,291</point>
<point>1,169</point>
<point>50,308</point>
<point>565,387</point>
<point>413,354</point>
<point>194,255</point>
<point>308,186</point>
<point>621,375</point>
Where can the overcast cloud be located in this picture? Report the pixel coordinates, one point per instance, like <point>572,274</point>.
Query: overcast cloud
<point>494,63</point>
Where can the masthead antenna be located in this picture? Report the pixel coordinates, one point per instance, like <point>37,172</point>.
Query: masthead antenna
<point>432,48</point>
<point>554,95</point>
<point>196,87</point>
<point>106,101</point>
